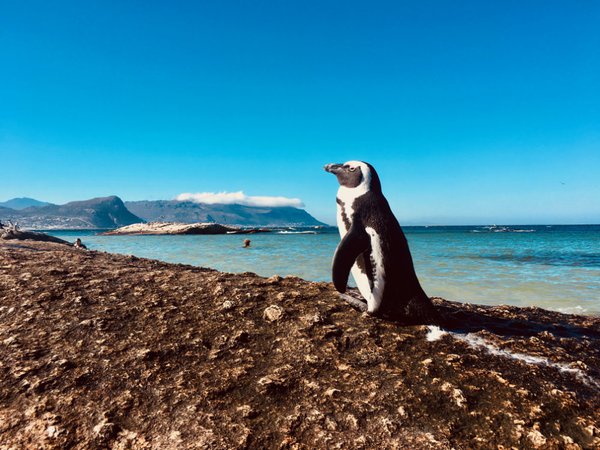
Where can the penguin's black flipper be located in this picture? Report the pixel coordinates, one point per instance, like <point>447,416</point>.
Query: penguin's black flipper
<point>351,246</point>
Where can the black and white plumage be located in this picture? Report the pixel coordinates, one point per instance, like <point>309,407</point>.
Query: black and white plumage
<point>374,248</point>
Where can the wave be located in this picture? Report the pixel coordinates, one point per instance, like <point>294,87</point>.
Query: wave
<point>578,309</point>
<point>296,232</point>
<point>549,258</point>
<point>496,229</point>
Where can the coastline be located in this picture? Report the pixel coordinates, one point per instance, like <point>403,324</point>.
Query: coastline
<point>100,349</point>
<point>553,268</point>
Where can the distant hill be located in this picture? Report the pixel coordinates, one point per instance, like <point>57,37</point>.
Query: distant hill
<point>102,212</point>
<point>111,212</point>
<point>22,203</point>
<point>190,212</point>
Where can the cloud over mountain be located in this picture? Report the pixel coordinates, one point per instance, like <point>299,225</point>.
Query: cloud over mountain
<point>238,198</point>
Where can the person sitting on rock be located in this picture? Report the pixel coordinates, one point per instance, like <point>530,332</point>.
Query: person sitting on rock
<point>79,244</point>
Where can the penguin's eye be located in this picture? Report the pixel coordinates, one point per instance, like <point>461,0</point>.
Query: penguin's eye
<point>352,169</point>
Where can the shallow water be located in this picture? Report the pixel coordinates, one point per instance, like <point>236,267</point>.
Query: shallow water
<point>555,267</point>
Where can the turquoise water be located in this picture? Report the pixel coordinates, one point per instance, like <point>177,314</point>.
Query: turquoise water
<point>555,267</point>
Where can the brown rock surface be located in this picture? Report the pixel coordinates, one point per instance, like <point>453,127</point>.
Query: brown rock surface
<point>106,351</point>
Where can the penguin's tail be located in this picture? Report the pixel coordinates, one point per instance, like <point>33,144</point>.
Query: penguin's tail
<point>418,310</point>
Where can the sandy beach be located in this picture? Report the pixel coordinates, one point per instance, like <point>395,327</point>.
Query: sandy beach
<point>99,350</point>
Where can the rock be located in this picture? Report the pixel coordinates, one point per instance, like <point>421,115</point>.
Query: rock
<point>105,430</point>
<point>275,279</point>
<point>312,319</point>
<point>52,431</point>
<point>333,392</point>
<point>273,313</point>
<point>156,355</point>
<point>352,422</point>
<point>330,424</point>
<point>537,439</point>
<point>161,228</point>
<point>456,394</point>
<point>241,336</point>
<point>246,411</point>
<point>268,384</point>
<point>227,305</point>
<point>19,235</point>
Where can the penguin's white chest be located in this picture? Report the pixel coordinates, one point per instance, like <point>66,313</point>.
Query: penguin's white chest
<point>373,293</point>
<point>341,223</point>
<point>378,269</point>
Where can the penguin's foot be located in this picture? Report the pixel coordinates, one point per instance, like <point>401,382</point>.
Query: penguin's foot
<point>355,302</point>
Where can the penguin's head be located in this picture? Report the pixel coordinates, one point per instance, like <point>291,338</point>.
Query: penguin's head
<point>355,174</point>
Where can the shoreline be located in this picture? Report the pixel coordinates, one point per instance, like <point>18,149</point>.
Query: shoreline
<point>575,295</point>
<point>100,349</point>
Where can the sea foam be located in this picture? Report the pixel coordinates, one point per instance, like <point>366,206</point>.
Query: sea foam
<point>477,342</point>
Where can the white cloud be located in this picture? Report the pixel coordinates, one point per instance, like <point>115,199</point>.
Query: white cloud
<point>238,198</point>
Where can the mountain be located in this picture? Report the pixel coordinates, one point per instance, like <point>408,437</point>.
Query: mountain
<point>4,211</point>
<point>22,203</point>
<point>190,212</point>
<point>102,212</point>
<point>111,212</point>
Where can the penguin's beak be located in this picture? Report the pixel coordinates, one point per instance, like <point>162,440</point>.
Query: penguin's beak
<point>333,168</point>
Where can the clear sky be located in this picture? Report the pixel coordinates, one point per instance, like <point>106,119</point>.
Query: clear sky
<point>471,111</point>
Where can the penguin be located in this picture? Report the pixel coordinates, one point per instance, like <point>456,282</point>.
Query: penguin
<point>374,248</point>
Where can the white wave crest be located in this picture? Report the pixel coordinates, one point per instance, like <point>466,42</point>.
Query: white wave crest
<point>297,232</point>
<point>578,309</point>
<point>435,333</point>
<point>238,198</point>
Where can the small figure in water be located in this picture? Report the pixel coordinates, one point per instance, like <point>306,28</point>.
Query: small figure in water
<point>79,244</point>
<point>246,243</point>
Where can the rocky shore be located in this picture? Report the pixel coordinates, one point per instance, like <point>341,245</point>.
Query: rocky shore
<point>106,351</point>
<point>13,233</point>
<point>160,228</point>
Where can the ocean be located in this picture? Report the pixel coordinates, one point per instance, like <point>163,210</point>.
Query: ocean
<point>551,266</point>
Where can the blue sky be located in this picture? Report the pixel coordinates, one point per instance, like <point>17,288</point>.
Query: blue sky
<point>472,112</point>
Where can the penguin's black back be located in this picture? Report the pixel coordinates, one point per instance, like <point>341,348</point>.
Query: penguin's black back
<point>402,288</point>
